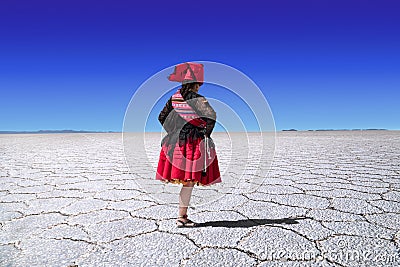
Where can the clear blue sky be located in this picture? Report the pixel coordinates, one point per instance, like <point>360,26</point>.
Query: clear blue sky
<point>321,64</point>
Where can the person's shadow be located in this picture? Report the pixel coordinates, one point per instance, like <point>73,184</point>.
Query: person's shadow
<point>251,222</point>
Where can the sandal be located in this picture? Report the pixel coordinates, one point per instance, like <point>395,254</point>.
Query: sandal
<point>187,223</point>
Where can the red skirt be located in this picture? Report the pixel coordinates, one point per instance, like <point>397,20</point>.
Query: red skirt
<point>188,162</point>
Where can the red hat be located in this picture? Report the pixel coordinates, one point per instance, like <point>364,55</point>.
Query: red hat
<point>188,72</point>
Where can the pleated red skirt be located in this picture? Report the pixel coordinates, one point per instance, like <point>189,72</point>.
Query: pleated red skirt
<point>188,163</point>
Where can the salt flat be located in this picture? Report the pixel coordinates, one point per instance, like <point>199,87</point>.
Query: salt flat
<point>330,199</point>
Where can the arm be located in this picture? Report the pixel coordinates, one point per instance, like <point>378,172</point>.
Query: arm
<point>206,112</point>
<point>164,114</point>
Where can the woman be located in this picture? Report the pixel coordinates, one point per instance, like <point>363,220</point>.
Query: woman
<point>188,153</point>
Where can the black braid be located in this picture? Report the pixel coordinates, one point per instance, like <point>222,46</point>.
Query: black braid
<point>186,88</point>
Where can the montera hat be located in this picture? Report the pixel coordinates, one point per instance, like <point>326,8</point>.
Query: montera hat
<point>188,72</point>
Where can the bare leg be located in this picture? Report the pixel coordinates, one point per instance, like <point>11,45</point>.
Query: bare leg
<point>184,198</point>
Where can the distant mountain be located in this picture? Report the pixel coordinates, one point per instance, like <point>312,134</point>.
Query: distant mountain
<point>322,130</point>
<point>85,131</point>
<point>52,131</point>
<point>349,130</point>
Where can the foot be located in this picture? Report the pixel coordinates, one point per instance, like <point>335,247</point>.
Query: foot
<point>183,221</point>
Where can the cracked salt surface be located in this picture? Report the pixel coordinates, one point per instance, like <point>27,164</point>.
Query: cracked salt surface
<point>330,199</point>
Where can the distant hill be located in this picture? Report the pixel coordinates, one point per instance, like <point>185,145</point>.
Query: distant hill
<point>85,131</point>
<point>318,130</point>
<point>52,131</point>
<point>349,130</point>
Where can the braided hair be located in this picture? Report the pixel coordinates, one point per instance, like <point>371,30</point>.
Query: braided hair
<point>187,87</point>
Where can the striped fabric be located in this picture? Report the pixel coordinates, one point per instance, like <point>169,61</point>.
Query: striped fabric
<point>186,111</point>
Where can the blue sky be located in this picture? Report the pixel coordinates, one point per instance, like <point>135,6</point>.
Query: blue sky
<point>321,64</point>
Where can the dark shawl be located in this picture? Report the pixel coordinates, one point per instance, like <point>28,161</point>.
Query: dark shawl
<point>178,129</point>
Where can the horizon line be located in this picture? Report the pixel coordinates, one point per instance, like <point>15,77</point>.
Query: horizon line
<point>283,130</point>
